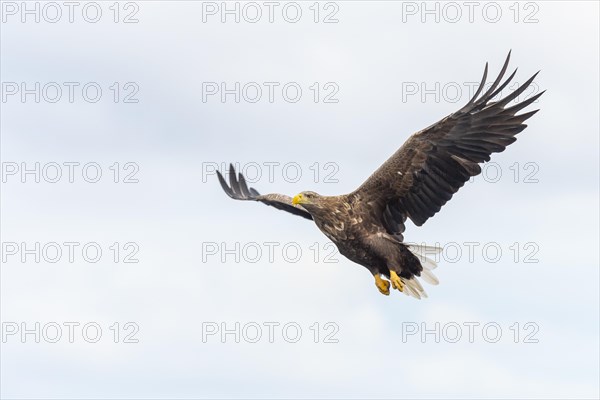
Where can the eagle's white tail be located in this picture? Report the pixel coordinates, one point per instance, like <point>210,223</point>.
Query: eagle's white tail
<point>412,287</point>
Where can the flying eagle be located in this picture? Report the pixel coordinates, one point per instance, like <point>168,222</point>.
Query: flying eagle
<point>367,225</point>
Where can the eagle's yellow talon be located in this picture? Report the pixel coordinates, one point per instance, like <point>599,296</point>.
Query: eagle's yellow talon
<point>382,285</point>
<point>396,281</point>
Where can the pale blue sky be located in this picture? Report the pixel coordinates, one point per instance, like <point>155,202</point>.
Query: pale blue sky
<point>373,52</point>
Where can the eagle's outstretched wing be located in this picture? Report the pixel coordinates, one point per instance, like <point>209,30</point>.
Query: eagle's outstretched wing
<point>434,163</point>
<point>239,190</point>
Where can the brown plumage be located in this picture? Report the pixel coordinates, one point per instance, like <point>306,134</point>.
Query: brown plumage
<point>367,225</point>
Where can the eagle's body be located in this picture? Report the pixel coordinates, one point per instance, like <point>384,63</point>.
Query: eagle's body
<point>353,227</point>
<point>367,225</point>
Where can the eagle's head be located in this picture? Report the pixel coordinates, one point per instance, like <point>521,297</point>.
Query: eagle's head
<point>308,198</point>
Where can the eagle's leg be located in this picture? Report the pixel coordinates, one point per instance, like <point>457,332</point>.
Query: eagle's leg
<point>396,281</point>
<point>382,284</point>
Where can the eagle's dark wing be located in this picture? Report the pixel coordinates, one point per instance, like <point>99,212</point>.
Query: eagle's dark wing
<point>238,189</point>
<point>434,163</point>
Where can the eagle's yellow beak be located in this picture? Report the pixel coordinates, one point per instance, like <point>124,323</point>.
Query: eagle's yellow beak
<point>297,199</point>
